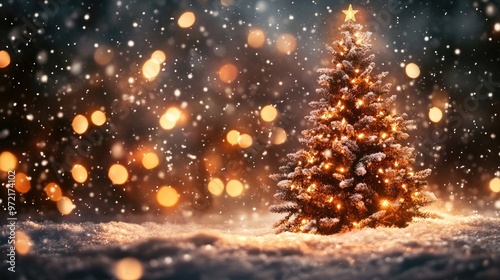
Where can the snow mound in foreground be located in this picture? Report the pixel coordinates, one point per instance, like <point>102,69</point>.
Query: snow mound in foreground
<point>448,247</point>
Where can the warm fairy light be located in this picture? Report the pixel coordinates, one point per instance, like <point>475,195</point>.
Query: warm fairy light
<point>234,188</point>
<point>232,137</point>
<point>167,196</point>
<point>360,102</point>
<point>394,127</point>
<point>79,173</point>
<point>357,70</point>
<point>8,161</point>
<point>495,185</point>
<point>186,20</point>
<point>158,57</point>
<point>353,81</point>
<point>331,199</point>
<point>384,135</point>
<point>404,187</point>
<point>339,206</point>
<point>339,65</point>
<point>245,141</point>
<point>53,191</point>
<point>412,70</point>
<point>326,166</point>
<point>256,38</point>
<point>311,188</point>
<point>268,113</point>
<point>128,269</point>
<point>150,160</point>
<point>150,69</point>
<point>216,186</point>
<point>386,180</point>
<point>118,174</point>
<point>103,55</point>
<point>22,183</point>
<point>228,73</point>
<point>341,170</point>
<point>384,203</point>
<point>65,205</point>
<point>361,135</point>
<point>396,164</point>
<point>80,124</point>
<point>4,59</point>
<point>355,224</point>
<point>435,114</point>
<point>279,136</point>
<point>98,118</point>
<point>23,243</point>
<point>170,118</point>
<point>380,170</point>
<point>286,43</point>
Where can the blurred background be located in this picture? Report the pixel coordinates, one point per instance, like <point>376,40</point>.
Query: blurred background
<point>180,110</point>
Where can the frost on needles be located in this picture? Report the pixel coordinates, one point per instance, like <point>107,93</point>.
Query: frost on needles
<point>355,170</point>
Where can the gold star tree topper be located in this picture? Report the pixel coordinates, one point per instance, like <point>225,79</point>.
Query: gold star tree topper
<point>349,14</point>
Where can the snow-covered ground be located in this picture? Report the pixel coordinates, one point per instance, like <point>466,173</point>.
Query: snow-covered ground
<point>450,247</point>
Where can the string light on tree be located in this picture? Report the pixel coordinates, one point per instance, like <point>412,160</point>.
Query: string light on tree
<point>355,170</point>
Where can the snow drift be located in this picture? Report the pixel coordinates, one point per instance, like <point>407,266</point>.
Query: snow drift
<point>450,247</point>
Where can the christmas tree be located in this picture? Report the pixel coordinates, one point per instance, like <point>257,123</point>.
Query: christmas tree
<point>356,168</point>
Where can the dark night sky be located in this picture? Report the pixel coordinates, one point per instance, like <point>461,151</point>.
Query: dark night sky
<point>54,76</point>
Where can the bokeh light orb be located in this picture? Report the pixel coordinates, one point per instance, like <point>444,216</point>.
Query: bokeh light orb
<point>150,69</point>
<point>228,73</point>
<point>23,243</point>
<point>167,196</point>
<point>186,20</point>
<point>118,174</point>
<point>22,183</point>
<point>435,114</point>
<point>169,119</point>
<point>150,160</point>
<point>103,55</point>
<point>233,137</point>
<point>98,117</point>
<point>286,43</point>
<point>158,57</point>
<point>256,38</point>
<point>213,162</point>
<point>412,70</point>
<point>216,186</point>
<point>128,269</point>
<point>279,136</point>
<point>4,59</point>
<point>495,185</point>
<point>65,205</point>
<point>245,141</point>
<point>234,188</point>
<point>53,191</point>
<point>268,113</point>
<point>79,173</point>
<point>8,161</point>
<point>80,124</point>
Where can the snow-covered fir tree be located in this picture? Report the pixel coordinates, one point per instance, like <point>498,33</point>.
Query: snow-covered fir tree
<point>355,170</point>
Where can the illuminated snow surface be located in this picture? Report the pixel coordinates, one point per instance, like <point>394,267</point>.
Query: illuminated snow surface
<point>450,247</point>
